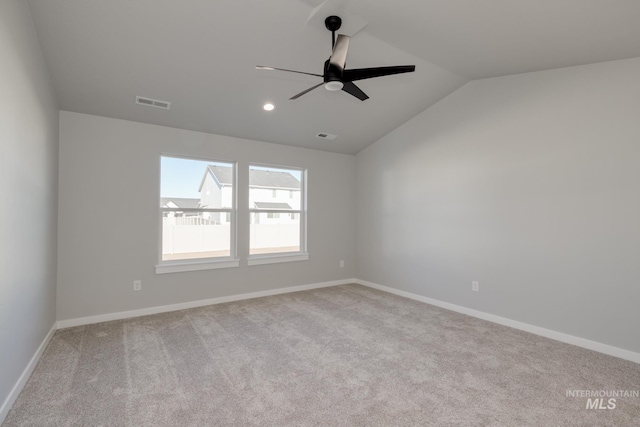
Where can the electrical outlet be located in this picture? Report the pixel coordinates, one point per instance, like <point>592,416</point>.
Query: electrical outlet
<point>475,286</point>
<point>341,263</point>
<point>137,285</point>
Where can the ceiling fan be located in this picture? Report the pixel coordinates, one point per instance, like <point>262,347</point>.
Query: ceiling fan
<point>335,76</point>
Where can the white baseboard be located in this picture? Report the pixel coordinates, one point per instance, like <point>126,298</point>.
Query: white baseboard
<point>192,304</point>
<point>547,333</point>
<point>17,388</point>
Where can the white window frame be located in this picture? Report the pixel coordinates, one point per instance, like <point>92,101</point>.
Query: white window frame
<point>196,264</point>
<point>302,254</point>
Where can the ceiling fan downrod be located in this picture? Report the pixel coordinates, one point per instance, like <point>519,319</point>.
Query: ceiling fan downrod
<point>333,24</point>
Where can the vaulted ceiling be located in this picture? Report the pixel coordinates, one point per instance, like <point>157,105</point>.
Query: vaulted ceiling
<point>201,55</point>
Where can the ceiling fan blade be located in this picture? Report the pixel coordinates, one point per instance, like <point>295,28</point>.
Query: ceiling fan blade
<point>305,91</point>
<point>354,90</point>
<point>368,73</point>
<point>262,67</point>
<point>339,56</point>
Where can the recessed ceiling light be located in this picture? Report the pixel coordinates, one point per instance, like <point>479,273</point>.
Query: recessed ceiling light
<point>268,107</point>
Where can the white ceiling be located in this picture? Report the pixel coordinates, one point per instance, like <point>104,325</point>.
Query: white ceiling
<point>200,55</point>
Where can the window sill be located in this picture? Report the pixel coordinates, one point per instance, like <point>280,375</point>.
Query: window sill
<point>196,266</point>
<point>275,259</point>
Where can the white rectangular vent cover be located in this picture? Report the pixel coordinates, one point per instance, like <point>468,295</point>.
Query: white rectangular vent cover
<point>153,102</point>
<point>325,135</point>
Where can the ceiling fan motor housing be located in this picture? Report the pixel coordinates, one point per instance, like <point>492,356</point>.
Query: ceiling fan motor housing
<point>331,73</point>
<point>332,77</point>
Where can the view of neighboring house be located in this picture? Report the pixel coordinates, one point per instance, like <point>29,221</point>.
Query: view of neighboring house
<point>274,200</point>
<point>216,191</point>
<point>268,190</point>
<point>185,217</point>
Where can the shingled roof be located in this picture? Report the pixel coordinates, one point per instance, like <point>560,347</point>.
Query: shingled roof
<point>180,202</point>
<point>257,178</point>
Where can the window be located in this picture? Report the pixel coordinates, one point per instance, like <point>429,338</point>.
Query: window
<point>197,214</point>
<point>277,227</point>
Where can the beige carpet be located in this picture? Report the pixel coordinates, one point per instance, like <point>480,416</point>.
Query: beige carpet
<point>341,356</point>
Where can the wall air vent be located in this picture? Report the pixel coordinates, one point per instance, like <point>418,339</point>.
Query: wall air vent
<point>325,135</point>
<point>153,102</point>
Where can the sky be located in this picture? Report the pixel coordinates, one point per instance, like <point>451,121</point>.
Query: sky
<point>182,177</point>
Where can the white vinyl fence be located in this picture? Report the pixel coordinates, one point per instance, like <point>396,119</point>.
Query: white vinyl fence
<point>271,236</point>
<point>180,238</point>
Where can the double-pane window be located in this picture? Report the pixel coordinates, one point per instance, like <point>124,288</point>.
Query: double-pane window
<point>197,206</point>
<point>198,214</point>
<point>276,206</point>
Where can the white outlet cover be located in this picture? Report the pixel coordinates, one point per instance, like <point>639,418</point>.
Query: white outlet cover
<point>475,286</point>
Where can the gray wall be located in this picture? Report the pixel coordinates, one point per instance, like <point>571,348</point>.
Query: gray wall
<point>529,184</point>
<point>109,190</point>
<point>28,193</point>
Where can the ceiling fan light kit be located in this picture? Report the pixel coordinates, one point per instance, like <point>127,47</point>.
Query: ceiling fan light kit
<point>334,85</point>
<point>335,76</point>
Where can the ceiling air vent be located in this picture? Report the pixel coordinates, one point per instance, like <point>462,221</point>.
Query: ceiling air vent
<point>325,135</point>
<point>153,102</point>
